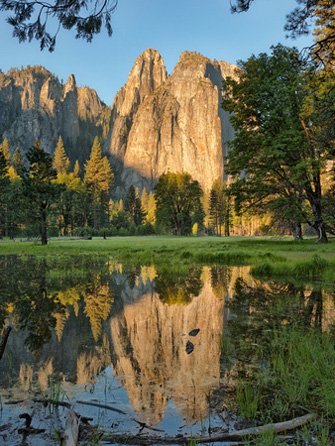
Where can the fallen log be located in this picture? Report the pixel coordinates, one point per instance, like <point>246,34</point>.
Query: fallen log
<point>54,402</point>
<point>102,406</point>
<point>4,339</point>
<point>230,436</point>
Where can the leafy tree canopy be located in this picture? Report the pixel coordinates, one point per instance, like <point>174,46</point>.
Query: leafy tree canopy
<point>178,200</point>
<point>281,144</point>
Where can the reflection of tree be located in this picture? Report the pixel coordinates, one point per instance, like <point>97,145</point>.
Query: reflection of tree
<point>91,363</point>
<point>261,310</point>
<point>178,286</point>
<point>98,303</point>
<point>37,294</point>
<point>220,280</point>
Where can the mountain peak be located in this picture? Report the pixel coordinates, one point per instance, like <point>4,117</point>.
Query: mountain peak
<point>71,82</point>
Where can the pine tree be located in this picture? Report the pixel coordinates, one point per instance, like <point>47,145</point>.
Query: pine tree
<point>133,206</point>
<point>4,183</point>
<point>145,200</point>
<point>151,212</point>
<point>98,178</point>
<point>4,148</point>
<point>61,161</point>
<point>17,161</point>
<point>76,169</point>
<point>324,16</point>
<point>139,214</point>
<point>39,187</point>
<point>129,204</point>
<point>213,210</point>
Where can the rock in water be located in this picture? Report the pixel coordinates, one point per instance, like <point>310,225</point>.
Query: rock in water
<point>189,347</point>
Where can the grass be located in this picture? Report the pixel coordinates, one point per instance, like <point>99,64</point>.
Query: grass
<point>269,257</point>
<point>294,376</point>
<point>301,373</point>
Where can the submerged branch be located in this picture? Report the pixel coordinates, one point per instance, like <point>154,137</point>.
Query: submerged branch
<point>232,436</point>
<point>102,406</point>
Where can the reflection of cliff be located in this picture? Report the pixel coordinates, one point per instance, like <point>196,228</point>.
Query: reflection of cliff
<point>149,339</point>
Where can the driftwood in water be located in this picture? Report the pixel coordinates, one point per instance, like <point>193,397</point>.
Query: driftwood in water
<point>45,402</point>
<point>4,339</point>
<point>115,409</point>
<point>71,434</point>
<point>231,436</point>
<point>102,406</point>
<point>54,402</point>
<point>28,429</point>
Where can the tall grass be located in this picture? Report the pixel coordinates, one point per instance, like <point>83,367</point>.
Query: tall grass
<point>311,269</point>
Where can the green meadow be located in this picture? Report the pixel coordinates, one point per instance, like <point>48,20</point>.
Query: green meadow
<point>269,257</point>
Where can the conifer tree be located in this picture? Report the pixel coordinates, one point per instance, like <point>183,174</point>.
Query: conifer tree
<point>129,204</point>
<point>17,161</point>
<point>61,161</point>
<point>144,200</point>
<point>133,206</point>
<point>213,215</point>
<point>151,211</point>
<point>4,148</point>
<point>4,182</point>
<point>324,16</point>
<point>76,169</point>
<point>98,178</point>
<point>39,187</point>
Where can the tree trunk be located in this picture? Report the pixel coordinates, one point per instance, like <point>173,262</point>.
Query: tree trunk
<point>322,234</point>
<point>43,225</point>
<point>297,231</point>
<point>318,222</point>
<point>314,197</point>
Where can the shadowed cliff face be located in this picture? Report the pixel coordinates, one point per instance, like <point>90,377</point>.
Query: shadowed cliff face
<point>34,104</point>
<point>149,340</point>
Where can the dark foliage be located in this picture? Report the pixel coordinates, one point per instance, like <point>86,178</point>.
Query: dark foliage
<point>31,19</point>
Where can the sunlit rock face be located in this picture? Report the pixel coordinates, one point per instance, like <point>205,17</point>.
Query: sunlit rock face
<point>149,340</point>
<point>147,74</point>
<point>157,123</point>
<point>34,104</point>
<point>172,123</point>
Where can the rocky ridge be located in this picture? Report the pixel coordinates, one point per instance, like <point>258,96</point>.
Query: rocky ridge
<point>157,123</point>
<point>171,123</point>
<point>34,104</point>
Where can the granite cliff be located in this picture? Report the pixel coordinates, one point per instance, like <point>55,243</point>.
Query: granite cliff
<point>156,123</point>
<point>175,123</point>
<point>34,104</point>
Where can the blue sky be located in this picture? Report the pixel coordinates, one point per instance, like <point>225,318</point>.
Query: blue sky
<point>171,27</point>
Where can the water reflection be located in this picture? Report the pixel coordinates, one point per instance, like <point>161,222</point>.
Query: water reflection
<point>74,318</point>
<point>149,337</point>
